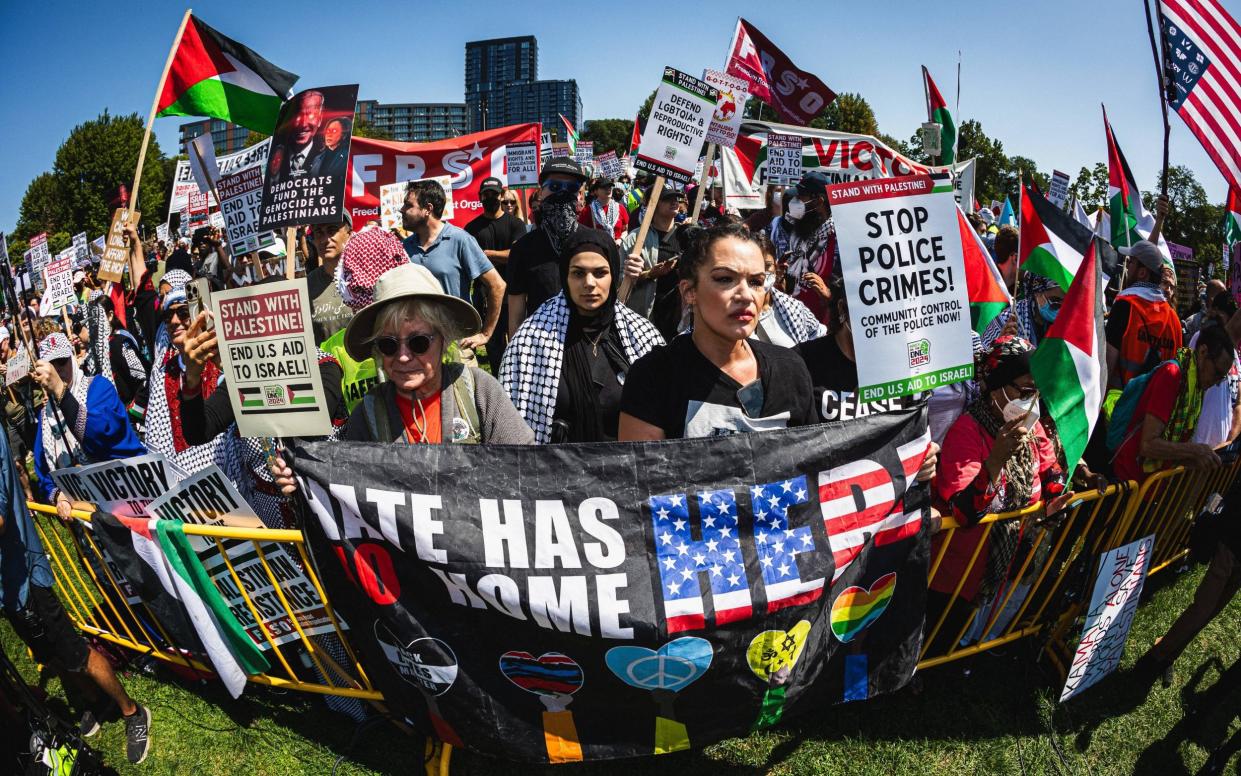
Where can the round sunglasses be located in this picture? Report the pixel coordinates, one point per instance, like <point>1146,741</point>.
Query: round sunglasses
<point>418,344</point>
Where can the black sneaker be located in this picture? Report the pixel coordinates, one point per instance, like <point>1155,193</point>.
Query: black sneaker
<point>138,734</point>
<point>88,725</point>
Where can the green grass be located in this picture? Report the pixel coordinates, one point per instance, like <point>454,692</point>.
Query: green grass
<point>995,713</point>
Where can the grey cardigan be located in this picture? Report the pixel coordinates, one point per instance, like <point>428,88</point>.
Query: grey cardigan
<point>499,422</point>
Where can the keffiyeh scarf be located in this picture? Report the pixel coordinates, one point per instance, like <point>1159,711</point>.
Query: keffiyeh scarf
<point>605,220</point>
<point>61,445</point>
<point>796,318</point>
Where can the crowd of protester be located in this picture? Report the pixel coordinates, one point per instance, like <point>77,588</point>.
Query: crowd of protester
<point>547,321</point>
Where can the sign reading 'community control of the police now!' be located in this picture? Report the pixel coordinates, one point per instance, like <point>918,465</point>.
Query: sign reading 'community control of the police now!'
<point>900,252</point>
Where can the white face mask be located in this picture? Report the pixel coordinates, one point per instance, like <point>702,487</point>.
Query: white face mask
<point>1015,408</point>
<point>797,209</point>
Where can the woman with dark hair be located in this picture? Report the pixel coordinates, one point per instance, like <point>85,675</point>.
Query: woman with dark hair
<point>784,320</point>
<point>566,365</point>
<point>717,380</point>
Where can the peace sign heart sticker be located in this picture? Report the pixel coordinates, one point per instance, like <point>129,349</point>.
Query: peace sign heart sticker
<point>673,667</point>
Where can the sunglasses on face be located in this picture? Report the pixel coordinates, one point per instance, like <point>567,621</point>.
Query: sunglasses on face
<point>418,344</point>
<point>562,187</point>
<point>181,313</point>
<point>1025,392</point>
<point>510,203</point>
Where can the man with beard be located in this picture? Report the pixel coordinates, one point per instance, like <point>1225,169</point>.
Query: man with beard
<point>496,230</point>
<point>811,243</point>
<point>534,262</point>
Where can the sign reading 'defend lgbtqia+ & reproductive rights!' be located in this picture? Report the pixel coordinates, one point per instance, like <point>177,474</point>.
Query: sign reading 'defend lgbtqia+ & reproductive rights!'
<point>900,252</point>
<point>677,126</point>
<point>268,351</point>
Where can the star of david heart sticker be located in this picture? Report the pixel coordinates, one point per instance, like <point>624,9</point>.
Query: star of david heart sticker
<point>673,667</point>
<point>857,607</point>
<point>773,653</point>
<point>548,674</point>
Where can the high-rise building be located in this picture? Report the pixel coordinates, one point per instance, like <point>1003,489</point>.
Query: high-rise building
<point>415,122</point>
<point>226,137</point>
<point>502,87</point>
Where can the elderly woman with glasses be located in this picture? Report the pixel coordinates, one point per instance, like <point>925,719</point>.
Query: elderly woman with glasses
<point>86,424</point>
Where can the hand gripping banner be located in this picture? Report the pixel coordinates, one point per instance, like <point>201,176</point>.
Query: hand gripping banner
<point>593,601</point>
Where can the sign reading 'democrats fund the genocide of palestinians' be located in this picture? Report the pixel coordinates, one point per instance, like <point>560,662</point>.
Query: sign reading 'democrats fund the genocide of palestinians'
<point>268,351</point>
<point>650,598</point>
<point>1117,588</point>
<point>677,126</point>
<point>900,252</point>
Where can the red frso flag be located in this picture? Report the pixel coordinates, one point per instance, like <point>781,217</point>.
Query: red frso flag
<point>796,95</point>
<point>1202,67</point>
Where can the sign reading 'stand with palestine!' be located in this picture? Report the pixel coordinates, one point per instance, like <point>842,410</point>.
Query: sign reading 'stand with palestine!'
<point>900,252</point>
<point>677,126</point>
<point>268,351</point>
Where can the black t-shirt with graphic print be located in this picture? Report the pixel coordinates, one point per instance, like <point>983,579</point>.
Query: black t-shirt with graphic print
<point>833,376</point>
<point>676,388</point>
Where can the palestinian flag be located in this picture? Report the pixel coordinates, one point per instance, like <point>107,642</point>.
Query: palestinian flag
<point>301,393</point>
<point>1232,216</point>
<point>212,75</point>
<point>1129,218</point>
<point>635,137</point>
<point>163,545</point>
<point>987,293</point>
<point>571,136</point>
<point>1070,365</point>
<point>937,111</point>
<point>1052,243</point>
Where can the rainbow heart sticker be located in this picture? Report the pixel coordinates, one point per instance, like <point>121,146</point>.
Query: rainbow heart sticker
<point>773,653</point>
<point>548,674</point>
<point>856,607</point>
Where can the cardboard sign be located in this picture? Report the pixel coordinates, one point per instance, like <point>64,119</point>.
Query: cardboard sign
<point>268,352</point>
<point>309,159</point>
<point>677,126</point>
<point>900,251</point>
<point>122,487</point>
<point>522,160</point>
<point>729,107</point>
<point>115,252</point>
<point>17,367</point>
<point>242,195</point>
<point>1117,588</point>
<point>1058,191</point>
<point>59,292</point>
<point>39,258</point>
<point>392,199</point>
<point>783,159</point>
<point>81,249</point>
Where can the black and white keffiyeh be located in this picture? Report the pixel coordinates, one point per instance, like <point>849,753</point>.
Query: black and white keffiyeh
<point>534,358</point>
<point>605,220</point>
<point>98,359</point>
<point>796,317</point>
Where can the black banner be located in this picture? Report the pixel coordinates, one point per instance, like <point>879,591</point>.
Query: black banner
<point>309,156</point>
<point>589,601</point>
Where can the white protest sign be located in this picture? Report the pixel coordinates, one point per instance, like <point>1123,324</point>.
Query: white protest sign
<point>783,159</point>
<point>522,165</point>
<point>677,126</point>
<point>217,220</point>
<point>904,273</point>
<point>932,138</point>
<point>81,249</point>
<point>609,165</point>
<point>1117,588</point>
<point>17,367</point>
<point>729,107</point>
<point>40,257</point>
<point>205,498</point>
<point>122,487</point>
<point>183,183</point>
<point>1058,191</point>
<point>203,167</point>
<point>242,193</point>
<point>59,291</point>
<point>161,232</point>
<point>268,351</point>
<point>97,246</point>
<point>585,153</point>
<point>392,199</point>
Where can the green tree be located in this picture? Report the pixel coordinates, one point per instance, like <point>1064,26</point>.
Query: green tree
<point>609,135</point>
<point>1090,188</point>
<point>1192,221</point>
<point>58,241</point>
<point>96,158</point>
<point>361,128</point>
<point>991,169</point>
<point>254,138</point>
<point>41,210</point>
<point>849,112</point>
<point>1023,168</point>
<point>644,110</point>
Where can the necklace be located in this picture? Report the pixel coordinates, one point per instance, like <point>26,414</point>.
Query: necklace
<point>594,344</point>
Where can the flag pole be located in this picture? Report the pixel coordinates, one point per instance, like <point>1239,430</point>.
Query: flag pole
<point>159,90</point>
<point>1163,101</point>
<point>702,183</point>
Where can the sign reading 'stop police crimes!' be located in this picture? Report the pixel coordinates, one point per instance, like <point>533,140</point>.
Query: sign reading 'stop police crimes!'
<point>678,124</point>
<point>900,252</point>
<point>305,181</point>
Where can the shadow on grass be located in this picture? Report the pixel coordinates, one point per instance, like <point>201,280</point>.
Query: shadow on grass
<point>1208,716</point>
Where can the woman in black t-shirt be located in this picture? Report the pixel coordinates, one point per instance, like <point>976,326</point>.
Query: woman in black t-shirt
<point>715,380</point>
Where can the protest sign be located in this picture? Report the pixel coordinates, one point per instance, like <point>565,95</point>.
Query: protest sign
<point>1058,190</point>
<point>161,232</point>
<point>17,367</point>
<point>783,159</point>
<point>729,107</point>
<point>96,248</point>
<point>1117,588</point>
<point>116,252</point>
<point>901,255</point>
<point>203,167</point>
<point>466,160</point>
<point>585,153</point>
<point>655,596</point>
<point>392,199</point>
<point>268,351</point>
<point>609,166</point>
<point>307,166</point>
<point>522,162</point>
<point>183,179</point>
<point>677,127</point>
<point>59,290</point>
<point>81,249</point>
<point>40,257</point>
<point>122,487</point>
<point>216,220</point>
<point>242,195</point>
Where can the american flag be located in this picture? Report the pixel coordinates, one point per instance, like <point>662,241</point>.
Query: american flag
<point>777,545</point>
<point>1202,64</point>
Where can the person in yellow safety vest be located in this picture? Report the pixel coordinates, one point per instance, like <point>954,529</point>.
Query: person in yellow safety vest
<point>357,377</point>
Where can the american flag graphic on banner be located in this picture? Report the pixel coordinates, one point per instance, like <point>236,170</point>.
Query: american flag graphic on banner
<point>1202,65</point>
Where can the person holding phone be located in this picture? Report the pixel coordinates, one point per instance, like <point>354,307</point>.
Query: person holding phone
<point>716,380</point>
<point>657,256</point>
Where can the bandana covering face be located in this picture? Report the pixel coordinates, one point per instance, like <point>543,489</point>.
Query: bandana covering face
<point>366,256</point>
<point>559,219</point>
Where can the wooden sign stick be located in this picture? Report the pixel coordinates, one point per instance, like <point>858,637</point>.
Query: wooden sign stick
<point>159,90</point>
<point>626,287</point>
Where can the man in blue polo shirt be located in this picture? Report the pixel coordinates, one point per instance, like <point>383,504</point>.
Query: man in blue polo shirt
<point>450,253</point>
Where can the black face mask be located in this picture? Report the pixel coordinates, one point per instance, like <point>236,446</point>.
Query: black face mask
<point>491,203</point>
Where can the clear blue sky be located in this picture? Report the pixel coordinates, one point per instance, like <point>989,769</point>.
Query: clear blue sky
<point>1032,73</point>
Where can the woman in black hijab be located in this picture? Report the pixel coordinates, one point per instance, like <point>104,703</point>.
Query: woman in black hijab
<point>565,366</point>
